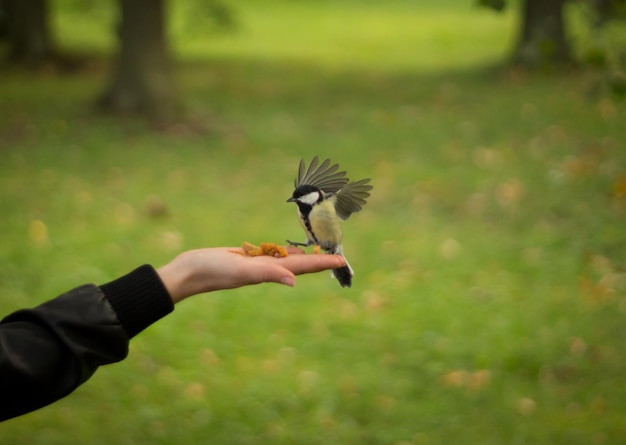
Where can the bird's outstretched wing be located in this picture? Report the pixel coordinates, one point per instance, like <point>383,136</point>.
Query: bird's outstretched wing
<point>351,198</point>
<point>323,176</point>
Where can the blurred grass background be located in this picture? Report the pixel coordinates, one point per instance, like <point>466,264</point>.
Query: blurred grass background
<point>490,290</point>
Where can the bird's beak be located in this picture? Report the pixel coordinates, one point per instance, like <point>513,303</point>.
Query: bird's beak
<point>292,199</point>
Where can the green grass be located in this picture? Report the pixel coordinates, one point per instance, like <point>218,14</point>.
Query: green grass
<point>490,286</point>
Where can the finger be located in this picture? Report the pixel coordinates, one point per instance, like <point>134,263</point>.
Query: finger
<point>275,273</point>
<point>302,264</point>
<point>283,270</point>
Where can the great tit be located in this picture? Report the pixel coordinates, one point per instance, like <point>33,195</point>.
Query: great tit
<point>324,196</point>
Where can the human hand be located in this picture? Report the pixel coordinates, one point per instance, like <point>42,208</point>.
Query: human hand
<point>205,270</point>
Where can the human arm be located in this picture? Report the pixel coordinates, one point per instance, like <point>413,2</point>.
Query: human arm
<point>48,351</point>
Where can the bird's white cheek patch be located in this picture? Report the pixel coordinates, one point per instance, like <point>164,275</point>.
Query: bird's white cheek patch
<point>309,198</point>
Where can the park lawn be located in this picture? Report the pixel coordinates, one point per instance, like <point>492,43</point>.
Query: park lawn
<point>490,286</point>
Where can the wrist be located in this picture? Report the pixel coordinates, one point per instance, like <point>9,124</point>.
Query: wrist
<point>176,280</point>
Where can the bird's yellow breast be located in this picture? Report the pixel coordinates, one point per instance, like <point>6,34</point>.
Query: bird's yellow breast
<point>325,224</point>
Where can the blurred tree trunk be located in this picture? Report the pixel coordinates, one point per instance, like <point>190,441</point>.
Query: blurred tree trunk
<point>542,40</point>
<point>141,78</point>
<point>28,32</point>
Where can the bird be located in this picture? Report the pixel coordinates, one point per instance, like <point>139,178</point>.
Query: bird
<point>325,196</point>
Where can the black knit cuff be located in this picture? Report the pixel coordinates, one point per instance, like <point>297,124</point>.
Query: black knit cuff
<point>139,299</point>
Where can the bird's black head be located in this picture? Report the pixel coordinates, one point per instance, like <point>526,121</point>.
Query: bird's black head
<point>307,195</point>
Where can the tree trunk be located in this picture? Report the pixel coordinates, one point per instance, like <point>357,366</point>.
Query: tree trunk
<point>141,78</point>
<point>543,41</point>
<point>28,32</point>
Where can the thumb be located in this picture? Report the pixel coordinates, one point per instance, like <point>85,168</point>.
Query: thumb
<point>278,274</point>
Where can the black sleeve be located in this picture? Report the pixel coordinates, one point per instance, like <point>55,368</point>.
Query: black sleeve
<point>48,351</point>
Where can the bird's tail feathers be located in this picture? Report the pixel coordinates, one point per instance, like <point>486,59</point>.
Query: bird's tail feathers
<point>343,274</point>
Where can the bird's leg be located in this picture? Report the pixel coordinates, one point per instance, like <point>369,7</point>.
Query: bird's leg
<point>297,244</point>
<point>316,247</point>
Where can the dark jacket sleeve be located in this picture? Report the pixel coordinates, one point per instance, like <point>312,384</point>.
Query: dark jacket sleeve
<point>48,351</point>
